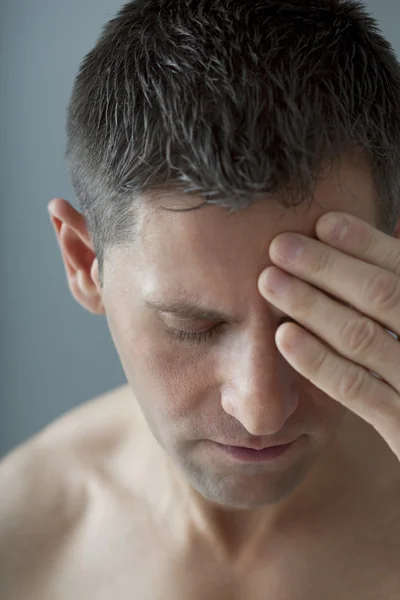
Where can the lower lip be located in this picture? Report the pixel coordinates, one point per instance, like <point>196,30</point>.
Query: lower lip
<point>250,455</point>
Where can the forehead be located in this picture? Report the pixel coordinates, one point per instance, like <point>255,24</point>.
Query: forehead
<point>347,187</point>
<point>210,250</point>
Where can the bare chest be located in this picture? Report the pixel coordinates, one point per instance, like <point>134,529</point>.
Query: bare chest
<point>128,562</point>
<point>149,578</point>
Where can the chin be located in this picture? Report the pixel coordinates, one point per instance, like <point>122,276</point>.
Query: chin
<point>251,488</point>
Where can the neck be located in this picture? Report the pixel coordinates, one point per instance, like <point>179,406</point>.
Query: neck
<point>240,533</point>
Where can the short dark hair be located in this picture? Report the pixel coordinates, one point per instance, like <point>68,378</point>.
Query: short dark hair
<point>232,100</point>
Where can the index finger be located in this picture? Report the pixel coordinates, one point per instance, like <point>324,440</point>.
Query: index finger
<point>362,240</point>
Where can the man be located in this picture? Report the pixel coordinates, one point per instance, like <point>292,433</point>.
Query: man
<point>174,486</point>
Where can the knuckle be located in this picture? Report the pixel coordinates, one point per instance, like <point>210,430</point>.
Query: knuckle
<point>323,262</point>
<point>318,361</point>
<point>359,334</point>
<point>366,240</point>
<point>306,301</point>
<point>392,260</point>
<point>382,291</point>
<point>352,384</point>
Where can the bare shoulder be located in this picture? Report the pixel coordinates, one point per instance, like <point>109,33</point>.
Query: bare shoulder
<point>45,483</point>
<point>86,428</point>
<point>68,446</point>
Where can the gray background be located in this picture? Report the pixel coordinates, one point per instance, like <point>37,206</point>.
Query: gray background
<point>54,354</point>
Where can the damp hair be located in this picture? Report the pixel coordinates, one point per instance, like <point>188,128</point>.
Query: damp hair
<point>232,101</point>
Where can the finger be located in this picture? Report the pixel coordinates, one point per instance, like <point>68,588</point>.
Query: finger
<point>361,240</point>
<point>356,337</point>
<point>350,384</point>
<point>373,291</point>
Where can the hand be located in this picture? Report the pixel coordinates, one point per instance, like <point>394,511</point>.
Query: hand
<point>360,275</point>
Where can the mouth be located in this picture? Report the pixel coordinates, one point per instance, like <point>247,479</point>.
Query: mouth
<point>246,454</point>
<point>259,447</point>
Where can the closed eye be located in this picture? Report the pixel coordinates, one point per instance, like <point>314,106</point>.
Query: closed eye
<point>195,336</point>
<point>198,337</point>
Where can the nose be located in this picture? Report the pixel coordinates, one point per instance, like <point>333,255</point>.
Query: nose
<point>259,390</point>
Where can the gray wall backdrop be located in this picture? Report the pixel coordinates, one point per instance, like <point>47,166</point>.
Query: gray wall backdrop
<point>54,354</point>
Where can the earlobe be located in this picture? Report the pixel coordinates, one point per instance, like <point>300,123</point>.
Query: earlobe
<point>85,288</point>
<point>88,292</point>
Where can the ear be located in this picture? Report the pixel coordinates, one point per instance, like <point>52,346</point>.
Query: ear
<point>77,252</point>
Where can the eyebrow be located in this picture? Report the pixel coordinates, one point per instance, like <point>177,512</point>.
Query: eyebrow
<point>187,310</point>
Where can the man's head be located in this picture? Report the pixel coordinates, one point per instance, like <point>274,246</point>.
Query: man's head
<point>258,107</point>
<point>231,101</point>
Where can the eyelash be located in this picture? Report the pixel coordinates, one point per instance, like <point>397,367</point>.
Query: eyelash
<point>194,336</point>
<point>203,336</point>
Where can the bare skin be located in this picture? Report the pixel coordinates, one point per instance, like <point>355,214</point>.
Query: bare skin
<point>129,496</point>
<point>93,509</point>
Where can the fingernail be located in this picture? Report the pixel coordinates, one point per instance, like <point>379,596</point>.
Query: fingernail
<point>339,229</point>
<point>288,247</point>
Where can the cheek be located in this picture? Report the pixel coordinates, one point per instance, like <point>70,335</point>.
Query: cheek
<point>167,377</point>
<point>321,413</point>
<point>179,381</point>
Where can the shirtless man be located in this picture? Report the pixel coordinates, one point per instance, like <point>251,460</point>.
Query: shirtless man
<point>143,492</point>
